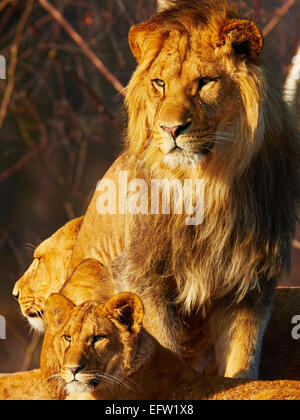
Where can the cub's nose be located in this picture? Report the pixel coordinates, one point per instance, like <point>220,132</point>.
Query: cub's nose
<point>171,130</point>
<point>75,369</point>
<point>175,130</point>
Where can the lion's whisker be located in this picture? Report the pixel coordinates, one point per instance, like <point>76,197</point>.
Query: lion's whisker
<point>115,380</point>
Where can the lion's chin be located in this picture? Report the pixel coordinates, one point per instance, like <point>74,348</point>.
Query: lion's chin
<point>76,387</point>
<point>181,159</point>
<point>37,324</point>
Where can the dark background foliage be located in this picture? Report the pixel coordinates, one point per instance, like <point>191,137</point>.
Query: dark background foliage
<point>63,126</point>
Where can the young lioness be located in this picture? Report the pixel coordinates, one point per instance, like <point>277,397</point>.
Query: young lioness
<point>102,351</point>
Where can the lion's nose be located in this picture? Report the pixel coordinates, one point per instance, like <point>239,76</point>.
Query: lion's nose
<point>16,294</point>
<point>75,369</point>
<point>175,130</point>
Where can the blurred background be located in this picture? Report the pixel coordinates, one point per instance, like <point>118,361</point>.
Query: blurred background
<point>61,123</point>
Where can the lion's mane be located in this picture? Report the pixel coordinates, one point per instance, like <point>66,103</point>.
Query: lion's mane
<point>251,190</point>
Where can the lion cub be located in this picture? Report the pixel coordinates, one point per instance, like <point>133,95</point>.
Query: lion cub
<point>102,352</point>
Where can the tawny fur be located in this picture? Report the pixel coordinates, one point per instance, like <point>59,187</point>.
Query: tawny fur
<point>207,289</point>
<point>23,386</point>
<point>135,364</point>
<point>87,283</point>
<point>47,273</point>
<point>156,373</point>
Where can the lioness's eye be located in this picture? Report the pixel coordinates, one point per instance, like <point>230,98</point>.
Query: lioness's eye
<point>204,81</point>
<point>67,338</point>
<point>158,83</point>
<point>98,338</point>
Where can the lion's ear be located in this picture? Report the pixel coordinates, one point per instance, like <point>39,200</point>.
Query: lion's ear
<point>58,309</point>
<point>127,311</point>
<point>136,38</point>
<point>163,5</point>
<point>145,38</point>
<point>243,38</point>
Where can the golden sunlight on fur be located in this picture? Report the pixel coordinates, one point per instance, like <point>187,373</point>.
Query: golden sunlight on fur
<point>101,351</point>
<point>23,386</point>
<point>203,103</point>
<point>87,283</point>
<point>47,273</point>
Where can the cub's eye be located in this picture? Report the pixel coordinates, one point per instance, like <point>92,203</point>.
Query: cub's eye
<point>98,338</point>
<point>67,338</point>
<point>158,83</point>
<point>204,82</point>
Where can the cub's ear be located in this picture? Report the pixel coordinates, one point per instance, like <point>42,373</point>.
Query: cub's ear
<point>126,311</point>
<point>243,38</point>
<point>58,309</point>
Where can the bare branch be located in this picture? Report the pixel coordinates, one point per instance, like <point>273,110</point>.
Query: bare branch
<point>83,45</point>
<point>32,152</point>
<point>278,16</point>
<point>13,63</point>
<point>4,3</point>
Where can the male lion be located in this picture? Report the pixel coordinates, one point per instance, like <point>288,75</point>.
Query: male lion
<point>202,104</point>
<point>47,273</point>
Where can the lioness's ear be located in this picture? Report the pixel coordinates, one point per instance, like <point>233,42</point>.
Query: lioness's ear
<point>243,38</point>
<point>127,310</point>
<point>58,310</point>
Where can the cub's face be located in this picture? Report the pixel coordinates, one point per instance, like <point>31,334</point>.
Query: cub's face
<point>93,343</point>
<point>90,351</point>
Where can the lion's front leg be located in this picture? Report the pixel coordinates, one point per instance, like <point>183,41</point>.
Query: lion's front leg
<point>239,332</point>
<point>161,319</point>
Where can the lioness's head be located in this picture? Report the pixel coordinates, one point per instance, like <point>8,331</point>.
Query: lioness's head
<point>47,273</point>
<point>196,95</point>
<point>93,344</point>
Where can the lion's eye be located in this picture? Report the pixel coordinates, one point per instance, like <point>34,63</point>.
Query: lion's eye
<point>98,338</point>
<point>67,338</point>
<point>158,83</point>
<point>204,81</point>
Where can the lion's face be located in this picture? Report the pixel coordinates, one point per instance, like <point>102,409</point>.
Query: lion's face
<point>188,87</point>
<point>46,274</point>
<point>188,106</point>
<point>93,343</point>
